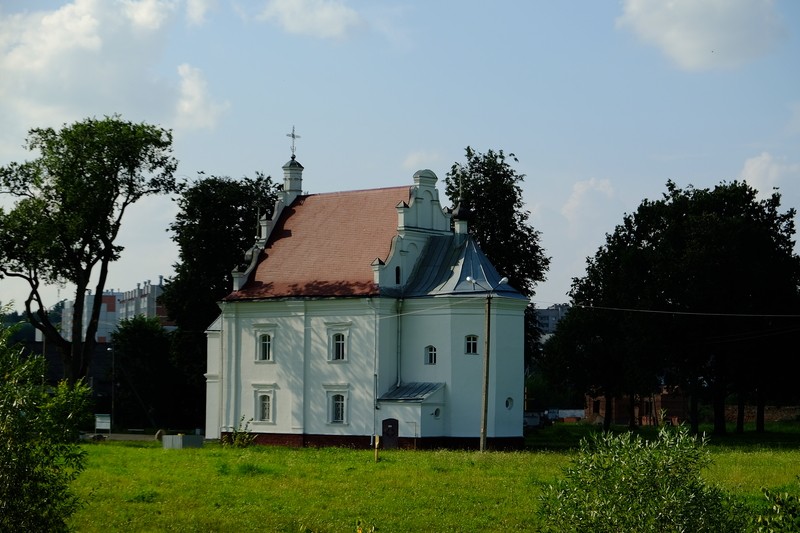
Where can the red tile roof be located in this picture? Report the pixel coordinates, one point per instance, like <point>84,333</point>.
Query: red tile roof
<point>324,245</point>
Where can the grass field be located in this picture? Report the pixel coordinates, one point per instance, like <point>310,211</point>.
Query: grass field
<point>138,486</point>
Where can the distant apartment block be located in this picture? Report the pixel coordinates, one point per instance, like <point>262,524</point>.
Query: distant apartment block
<point>548,318</point>
<point>116,307</point>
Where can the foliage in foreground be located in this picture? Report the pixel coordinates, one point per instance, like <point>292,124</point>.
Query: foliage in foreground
<point>39,456</point>
<point>782,515</point>
<point>622,482</point>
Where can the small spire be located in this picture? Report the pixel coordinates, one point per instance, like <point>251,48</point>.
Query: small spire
<point>294,136</point>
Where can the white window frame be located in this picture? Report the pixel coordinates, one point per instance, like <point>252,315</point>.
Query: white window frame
<point>471,341</point>
<point>260,390</point>
<point>430,354</point>
<point>331,392</point>
<point>336,331</point>
<point>260,331</point>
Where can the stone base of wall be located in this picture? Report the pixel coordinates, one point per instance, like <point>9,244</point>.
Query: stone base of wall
<point>364,442</point>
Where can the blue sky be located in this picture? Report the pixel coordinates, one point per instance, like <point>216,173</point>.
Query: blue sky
<point>601,101</point>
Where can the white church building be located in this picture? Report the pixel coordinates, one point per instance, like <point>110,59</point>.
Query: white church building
<point>363,314</point>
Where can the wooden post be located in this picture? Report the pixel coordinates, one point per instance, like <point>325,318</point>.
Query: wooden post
<point>377,442</point>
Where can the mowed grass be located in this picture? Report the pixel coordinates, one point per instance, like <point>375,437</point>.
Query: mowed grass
<point>146,488</point>
<point>138,486</point>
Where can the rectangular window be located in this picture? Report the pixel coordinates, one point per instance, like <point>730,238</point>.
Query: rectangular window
<point>430,355</point>
<point>265,351</point>
<point>339,345</point>
<point>265,342</point>
<point>337,396</point>
<point>337,409</point>
<point>265,408</point>
<point>338,341</point>
<point>264,403</point>
<point>471,347</point>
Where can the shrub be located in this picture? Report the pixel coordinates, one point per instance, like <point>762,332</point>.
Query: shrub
<point>624,483</point>
<point>39,455</point>
<point>240,437</point>
<point>783,514</point>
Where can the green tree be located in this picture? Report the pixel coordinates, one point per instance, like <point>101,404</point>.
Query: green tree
<point>39,456</point>
<point>71,202</point>
<point>682,284</point>
<point>216,225</point>
<point>146,386</point>
<point>491,189</point>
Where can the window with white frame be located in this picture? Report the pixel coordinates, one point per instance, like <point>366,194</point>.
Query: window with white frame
<point>265,343</point>
<point>338,341</point>
<point>265,347</point>
<point>471,344</point>
<point>337,409</point>
<point>430,355</point>
<point>264,405</point>
<point>337,396</point>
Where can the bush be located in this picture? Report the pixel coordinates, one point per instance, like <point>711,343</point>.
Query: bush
<point>624,483</point>
<point>39,453</point>
<point>783,514</point>
<point>240,437</point>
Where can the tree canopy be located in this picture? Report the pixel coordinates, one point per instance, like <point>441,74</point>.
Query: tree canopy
<point>698,289</point>
<point>216,225</point>
<point>71,200</point>
<point>491,188</point>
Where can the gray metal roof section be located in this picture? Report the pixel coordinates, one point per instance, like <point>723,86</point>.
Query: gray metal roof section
<point>445,265</point>
<point>411,392</point>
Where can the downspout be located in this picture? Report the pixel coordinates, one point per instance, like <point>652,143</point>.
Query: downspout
<point>399,337</point>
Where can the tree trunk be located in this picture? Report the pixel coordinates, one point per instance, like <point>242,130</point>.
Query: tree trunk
<point>632,412</point>
<point>718,395</point>
<point>740,406</point>
<point>760,400</point>
<point>609,412</point>
<point>694,410</point>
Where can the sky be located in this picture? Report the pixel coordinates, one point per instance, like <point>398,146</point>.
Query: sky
<point>602,102</point>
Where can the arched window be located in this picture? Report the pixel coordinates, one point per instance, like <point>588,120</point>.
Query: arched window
<point>471,344</point>
<point>430,355</point>
<point>265,408</point>
<point>265,347</point>
<point>337,409</point>
<point>338,349</point>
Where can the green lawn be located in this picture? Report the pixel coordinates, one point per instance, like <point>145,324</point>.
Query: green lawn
<point>138,486</point>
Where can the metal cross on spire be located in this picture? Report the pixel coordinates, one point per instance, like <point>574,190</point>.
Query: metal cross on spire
<point>294,136</point>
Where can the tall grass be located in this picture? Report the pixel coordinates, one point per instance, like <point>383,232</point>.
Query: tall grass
<point>142,487</point>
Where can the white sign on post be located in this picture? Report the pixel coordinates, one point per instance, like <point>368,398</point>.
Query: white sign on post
<point>102,422</point>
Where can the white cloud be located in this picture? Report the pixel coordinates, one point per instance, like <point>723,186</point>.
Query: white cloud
<point>148,14</point>
<point>705,34</point>
<point>196,10</point>
<point>421,159</point>
<point>92,58</point>
<point>763,172</point>
<point>327,19</point>
<point>195,108</point>
<point>585,199</point>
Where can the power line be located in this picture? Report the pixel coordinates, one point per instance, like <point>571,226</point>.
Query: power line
<point>690,313</point>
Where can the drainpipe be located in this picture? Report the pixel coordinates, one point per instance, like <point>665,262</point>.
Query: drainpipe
<point>399,336</point>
